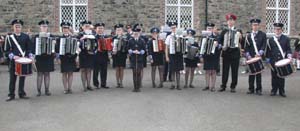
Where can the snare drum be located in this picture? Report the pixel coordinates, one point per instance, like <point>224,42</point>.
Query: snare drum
<point>23,66</point>
<point>255,65</point>
<point>284,67</point>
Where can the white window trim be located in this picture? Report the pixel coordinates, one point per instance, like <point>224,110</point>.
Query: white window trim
<point>277,9</point>
<point>74,4</point>
<point>178,5</point>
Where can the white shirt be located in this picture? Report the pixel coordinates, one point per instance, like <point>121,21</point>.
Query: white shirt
<point>170,39</point>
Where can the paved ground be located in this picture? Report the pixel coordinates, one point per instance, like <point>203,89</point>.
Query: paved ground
<point>152,109</point>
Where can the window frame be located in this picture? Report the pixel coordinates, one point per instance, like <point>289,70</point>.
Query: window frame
<point>179,5</point>
<point>277,10</point>
<point>73,5</point>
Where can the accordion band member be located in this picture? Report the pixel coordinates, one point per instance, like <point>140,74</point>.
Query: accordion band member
<point>192,58</point>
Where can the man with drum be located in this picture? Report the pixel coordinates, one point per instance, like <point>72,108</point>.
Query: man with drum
<point>101,57</point>
<point>17,45</point>
<point>278,51</point>
<point>254,48</point>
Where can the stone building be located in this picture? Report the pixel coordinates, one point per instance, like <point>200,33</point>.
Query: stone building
<point>189,13</point>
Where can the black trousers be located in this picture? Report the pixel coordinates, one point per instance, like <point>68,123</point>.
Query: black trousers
<point>102,68</point>
<point>137,78</point>
<point>258,82</point>
<point>12,81</point>
<point>233,64</point>
<point>277,83</point>
<point>167,72</point>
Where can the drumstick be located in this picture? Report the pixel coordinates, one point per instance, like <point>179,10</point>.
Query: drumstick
<point>270,66</point>
<point>34,66</point>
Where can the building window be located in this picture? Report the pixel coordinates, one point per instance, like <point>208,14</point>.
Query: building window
<point>278,11</point>
<point>180,11</point>
<point>73,11</point>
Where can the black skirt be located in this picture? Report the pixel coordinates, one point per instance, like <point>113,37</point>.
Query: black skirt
<point>191,62</point>
<point>176,62</point>
<point>68,63</point>
<point>119,59</point>
<point>210,62</point>
<point>86,60</point>
<point>44,63</point>
<point>158,59</point>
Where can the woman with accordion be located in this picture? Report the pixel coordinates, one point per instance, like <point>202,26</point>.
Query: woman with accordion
<point>192,58</point>
<point>119,54</point>
<point>156,54</point>
<point>66,50</point>
<point>44,49</point>
<point>88,47</point>
<point>210,58</point>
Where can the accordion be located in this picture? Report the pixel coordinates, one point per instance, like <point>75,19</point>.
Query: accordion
<point>232,39</point>
<point>119,44</point>
<point>68,46</point>
<point>207,46</point>
<point>90,44</point>
<point>158,45</point>
<point>181,45</point>
<point>104,44</point>
<point>44,44</point>
<point>192,52</point>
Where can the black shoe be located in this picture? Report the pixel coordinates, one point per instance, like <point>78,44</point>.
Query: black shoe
<point>250,92</point>
<point>205,89</point>
<point>10,98</point>
<point>273,94</point>
<point>153,85</point>
<point>178,88</point>
<point>89,88</point>
<point>222,90</point>
<point>191,86</point>
<point>172,87</point>
<point>134,90</point>
<point>97,87</point>
<point>160,86</point>
<point>121,86</point>
<point>185,86</point>
<point>282,94</point>
<point>39,94</point>
<point>105,87</point>
<point>24,97</point>
<point>70,91</point>
<point>47,93</point>
<point>232,90</point>
<point>258,93</point>
<point>85,90</point>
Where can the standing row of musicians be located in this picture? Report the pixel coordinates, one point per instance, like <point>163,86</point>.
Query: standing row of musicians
<point>228,43</point>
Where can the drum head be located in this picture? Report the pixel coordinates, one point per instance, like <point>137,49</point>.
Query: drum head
<point>23,60</point>
<point>252,60</point>
<point>282,62</point>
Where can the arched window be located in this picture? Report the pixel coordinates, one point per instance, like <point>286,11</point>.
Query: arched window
<point>73,11</point>
<point>180,11</point>
<point>278,11</point>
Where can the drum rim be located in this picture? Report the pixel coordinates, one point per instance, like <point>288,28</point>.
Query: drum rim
<point>31,61</point>
<point>276,63</point>
<point>252,61</point>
